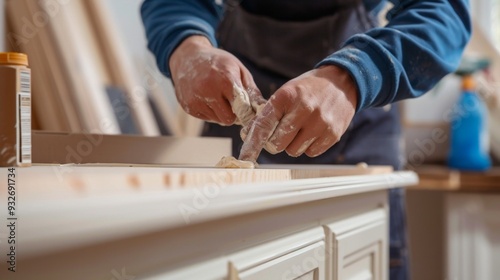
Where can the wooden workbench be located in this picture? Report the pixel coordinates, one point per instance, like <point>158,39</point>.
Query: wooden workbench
<point>88,222</point>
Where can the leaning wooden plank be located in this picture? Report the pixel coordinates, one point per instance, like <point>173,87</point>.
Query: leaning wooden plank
<point>55,76</point>
<point>192,126</point>
<point>90,96</point>
<point>115,93</point>
<point>156,83</point>
<point>120,66</point>
<point>35,116</point>
<point>85,30</point>
<point>76,10</point>
<point>49,95</point>
<point>23,37</point>
<point>160,99</point>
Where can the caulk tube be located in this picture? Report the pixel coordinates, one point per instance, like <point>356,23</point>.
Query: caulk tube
<point>15,110</point>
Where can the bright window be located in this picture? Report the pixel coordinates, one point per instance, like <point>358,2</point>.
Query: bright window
<point>495,23</point>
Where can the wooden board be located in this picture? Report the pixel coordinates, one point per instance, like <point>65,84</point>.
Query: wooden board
<point>85,30</point>
<point>159,97</point>
<point>74,180</point>
<point>443,178</point>
<point>320,171</point>
<point>82,148</point>
<point>78,62</point>
<point>119,65</point>
<point>50,116</point>
<point>485,181</point>
<point>82,180</point>
<point>54,81</point>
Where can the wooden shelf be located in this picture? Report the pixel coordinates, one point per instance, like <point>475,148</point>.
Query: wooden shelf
<point>443,178</point>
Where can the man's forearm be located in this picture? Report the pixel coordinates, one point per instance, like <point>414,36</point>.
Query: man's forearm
<point>422,43</point>
<point>169,22</point>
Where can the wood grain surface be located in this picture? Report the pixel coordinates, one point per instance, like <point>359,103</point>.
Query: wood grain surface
<point>81,180</point>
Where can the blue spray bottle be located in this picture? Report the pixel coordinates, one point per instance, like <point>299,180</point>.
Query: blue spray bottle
<point>469,125</point>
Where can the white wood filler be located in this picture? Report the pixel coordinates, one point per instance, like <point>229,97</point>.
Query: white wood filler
<point>232,162</point>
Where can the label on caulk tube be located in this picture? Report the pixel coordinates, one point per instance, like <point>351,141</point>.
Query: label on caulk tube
<point>24,116</point>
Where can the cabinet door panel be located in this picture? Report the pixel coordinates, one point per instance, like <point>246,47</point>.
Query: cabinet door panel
<point>297,257</point>
<point>312,275</point>
<point>362,265</point>
<point>357,247</point>
<point>215,269</point>
<point>302,264</point>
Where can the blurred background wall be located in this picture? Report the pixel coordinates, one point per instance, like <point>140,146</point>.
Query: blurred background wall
<point>2,26</point>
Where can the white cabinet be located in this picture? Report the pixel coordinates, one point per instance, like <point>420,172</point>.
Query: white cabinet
<point>351,248</point>
<point>300,229</point>
<point>357,247</point>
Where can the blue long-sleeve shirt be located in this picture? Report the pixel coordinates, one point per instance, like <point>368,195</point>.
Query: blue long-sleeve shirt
<point>422,42</point>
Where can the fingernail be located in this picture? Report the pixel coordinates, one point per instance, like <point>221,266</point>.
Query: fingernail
<point>272,149</point>
<point>292,155</point>
<point>305,146</point>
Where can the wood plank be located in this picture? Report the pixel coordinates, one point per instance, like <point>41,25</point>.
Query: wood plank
<point>43,95</point>
<point>191,126</point>
<point>83,148</point>
<point>443,178</point>
<point>85,30</point>
<point>320,171</point>
<point>120,65</point>
<point>438,178</point>
<point>483,181</point>
<point>54,77</point>
<point>81,180</point>
<point>85,82</point>
<point>9,47</point>
<point>159,97</point>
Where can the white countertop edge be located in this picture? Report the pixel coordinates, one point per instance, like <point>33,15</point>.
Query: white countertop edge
<point>49,226</point>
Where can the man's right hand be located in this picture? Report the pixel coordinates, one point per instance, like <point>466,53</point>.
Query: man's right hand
<point>205,77</point>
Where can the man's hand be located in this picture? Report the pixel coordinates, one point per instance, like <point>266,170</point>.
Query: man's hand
<point>307,115</point>
<point>207,80</point>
